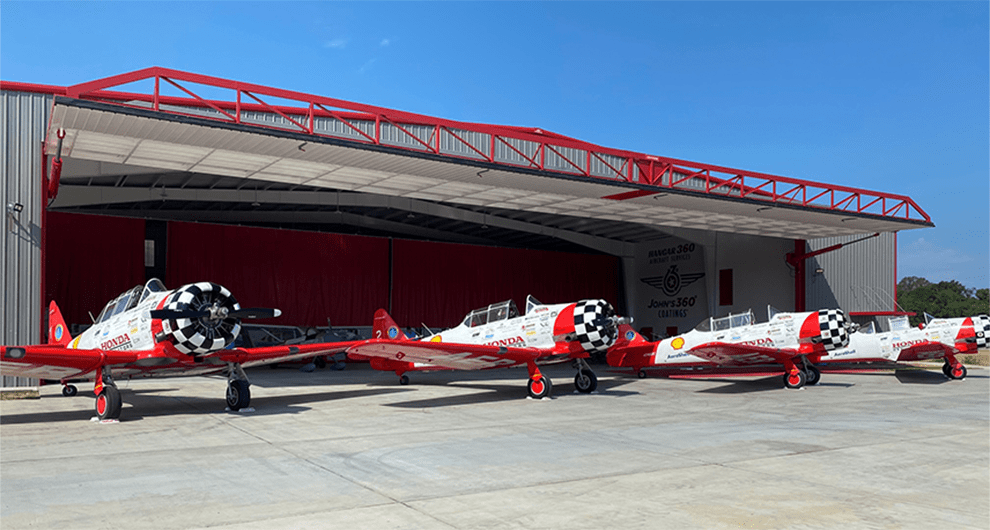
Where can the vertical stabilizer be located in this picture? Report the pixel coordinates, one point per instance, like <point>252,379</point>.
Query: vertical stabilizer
<point>58,332</point>
<point>386,328</point>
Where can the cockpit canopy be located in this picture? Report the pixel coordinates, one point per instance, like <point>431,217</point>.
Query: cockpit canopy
<point>728,322</point>
<point>129,299</point>
<point>493,313</point>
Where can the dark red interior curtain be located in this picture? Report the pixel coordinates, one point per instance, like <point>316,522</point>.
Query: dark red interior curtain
<point>89,260</point>
<point>310,276</point>
<point>439,283</point>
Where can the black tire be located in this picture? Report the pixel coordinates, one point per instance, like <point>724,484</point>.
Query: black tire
<point>108,403</point>
<point>641,374</point>
<point>320,362</point>
<point>812,375</point>
<point>796,380</point>
<point>585,381</point>
<point>946,370</point>
<point>403,379</point>
<point>958,372</point>
<point>238,394</point>
<point>540,388</point>
<point>69,390</point>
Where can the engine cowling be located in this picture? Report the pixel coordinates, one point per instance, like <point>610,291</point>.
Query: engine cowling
<point>595,325</point>
<point>828,328</point>
<point>981,330</point>
<point>207,334</point>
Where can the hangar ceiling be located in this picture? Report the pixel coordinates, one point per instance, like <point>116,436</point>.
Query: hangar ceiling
<point>136,161</point>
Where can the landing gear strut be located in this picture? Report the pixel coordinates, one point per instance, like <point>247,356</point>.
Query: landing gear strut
<point>539,385</point>
<point>811,372</point>
<point>107,397</point>
<point>585,380</point>
<point>953,369</point>
<point>238,388</point>
<point>794,376</point>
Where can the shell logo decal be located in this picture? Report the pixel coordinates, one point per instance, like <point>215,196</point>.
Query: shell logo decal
<point>677,343</point>
<point>393,332</point>
<point>436,338</point>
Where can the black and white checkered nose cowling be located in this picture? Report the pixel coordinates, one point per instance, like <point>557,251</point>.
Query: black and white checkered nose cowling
<point>595,325</point>
<point>834,328</point>
<point>200,336</point>
<point>981,326</point>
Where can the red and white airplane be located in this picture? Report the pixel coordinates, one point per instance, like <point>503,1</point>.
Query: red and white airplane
<point>736,343</point>
<point>149,331</point>
<point>940,338</point>
<point>497,336</point>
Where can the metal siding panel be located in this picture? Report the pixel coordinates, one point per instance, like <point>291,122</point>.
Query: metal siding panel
<point>25,117</point>
<point>858,277</point>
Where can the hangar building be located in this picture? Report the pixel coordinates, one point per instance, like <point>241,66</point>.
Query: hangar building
<point>330,209</point>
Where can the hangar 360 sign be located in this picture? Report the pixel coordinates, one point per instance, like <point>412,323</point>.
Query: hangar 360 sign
<point>674,294</point>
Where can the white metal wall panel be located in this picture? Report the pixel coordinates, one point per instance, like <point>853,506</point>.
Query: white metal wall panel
<point>24,117</point>
<point>857,277</point>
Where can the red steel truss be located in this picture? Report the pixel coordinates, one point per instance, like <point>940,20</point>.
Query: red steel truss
<point>520,147</point>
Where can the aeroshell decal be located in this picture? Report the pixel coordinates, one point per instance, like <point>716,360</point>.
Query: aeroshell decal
<point>393,332</point>
<point>630,335</point>
<point>59,330</point>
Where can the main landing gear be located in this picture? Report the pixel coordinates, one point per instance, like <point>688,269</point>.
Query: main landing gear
<point>108,401</point>
<point>798,375</point>
<point>953,369</point>
<point>238,388</point>
<point>585,381</point>
<point>69,390</point>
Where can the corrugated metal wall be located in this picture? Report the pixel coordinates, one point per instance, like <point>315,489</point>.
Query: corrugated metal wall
<point>858,277</point>
<point>24,117</point>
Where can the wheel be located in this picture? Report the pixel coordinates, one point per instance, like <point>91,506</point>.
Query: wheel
<point>69,390</point>
<point>946,370</point>
<point>585,381</point>
<point>812,375</point>
<point>957,372</point>
<point>641,374</point>
<point>320,362</point>
<point>238,394</point>
<point>795,380</point>
<point>540,388</point>
<point>403,379</point>
<point>108,403</point>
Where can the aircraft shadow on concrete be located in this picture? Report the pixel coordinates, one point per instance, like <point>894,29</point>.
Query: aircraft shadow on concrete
<point>493,393</point>
<point>146,403</point>
<point>920,377</point>
<point>763,384</point>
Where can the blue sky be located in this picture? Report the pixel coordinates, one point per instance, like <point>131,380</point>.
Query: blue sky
<point>891,96</point>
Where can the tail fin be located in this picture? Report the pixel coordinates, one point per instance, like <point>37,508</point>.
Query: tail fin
<point>629,337</point>
<point>386,328</point>
<point>58,332</point>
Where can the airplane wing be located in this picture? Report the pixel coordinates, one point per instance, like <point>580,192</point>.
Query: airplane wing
<point>925,350</point>
<point>740,354</point>
<point>447,355</point>
<point>56,362</point>
<point>248,357</point>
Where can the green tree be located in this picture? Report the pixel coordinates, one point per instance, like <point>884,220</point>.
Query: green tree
<point>949,299</point>
<point>910,283</point>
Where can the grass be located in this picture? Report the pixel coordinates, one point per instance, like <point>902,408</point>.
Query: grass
<point>27,393</point>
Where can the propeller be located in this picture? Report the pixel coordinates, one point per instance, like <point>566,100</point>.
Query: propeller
<point>216,313</point>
